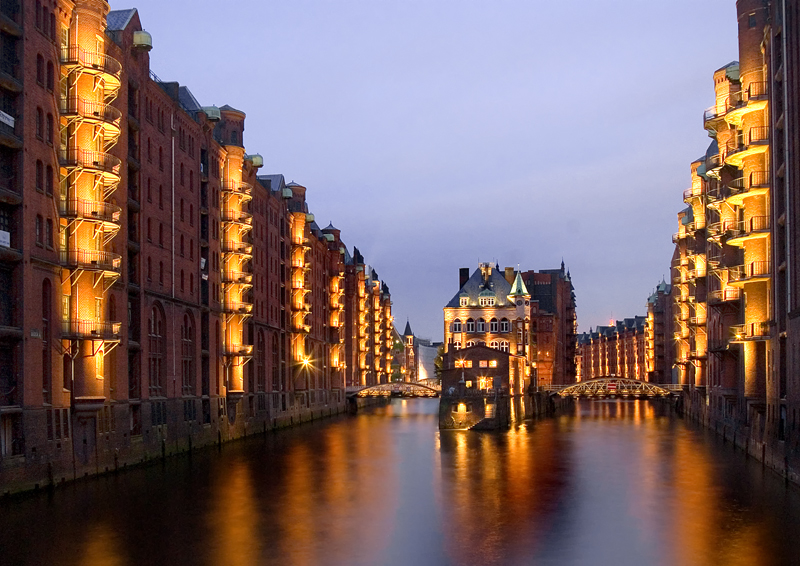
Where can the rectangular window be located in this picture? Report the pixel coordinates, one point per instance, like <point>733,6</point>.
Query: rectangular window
<point>39,230</point>
<point>49,234</point>
<point>484,363</point>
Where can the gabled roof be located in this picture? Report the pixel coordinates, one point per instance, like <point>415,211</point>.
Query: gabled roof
<point>272,182</point>
<point>118,20</point>
<point>472,289</point>
<point>230,108</point>
<point>407,331</point>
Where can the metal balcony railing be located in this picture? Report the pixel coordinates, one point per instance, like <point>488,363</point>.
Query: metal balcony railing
<point>238,277</point>
<point>758,135</point>
<point>749,271</point>
<point>724,295</point>
<point>90,210</point>
<point>74,55</point>
<point>95,160</point>
<point>77,106</point>
<point>237,350</point>
<point>238,216</point>
<point>231,246</point>
<point>241,189</point>
<point>752,224</point>
<point>751,331</point>
<point>234,307</point>
<point>90,329</point>
<point>91,260</point>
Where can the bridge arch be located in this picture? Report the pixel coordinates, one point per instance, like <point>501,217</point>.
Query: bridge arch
<point>396,388</point>
<point>617,386</point>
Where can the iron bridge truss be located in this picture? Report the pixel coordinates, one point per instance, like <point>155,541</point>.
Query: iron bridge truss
<point>614,386</point>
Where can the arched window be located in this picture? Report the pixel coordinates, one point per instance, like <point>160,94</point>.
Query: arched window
<point>470,343</point>
<point>191,214</point>
<point>40,69</point>
<point>481,327</point>
<point>48,180</point>
<point>261,360</point>
<point>182,245</point>
<point>49,128</point>
<point>457,345</point>
<point>504,345</point>
<point>47,314</point>
<point>505,326</point>
<point>157,350</point>
<point>493,325</point>
<point>161,273</point>
<point>182,174</point>
<point>187,355</point>
<point>40,123</point>
<point>39,175</point>
<point>457,325</point>
<point>495,344</point>
<point>51,81</point>
<point>470,325</point>
<point>275,363</point>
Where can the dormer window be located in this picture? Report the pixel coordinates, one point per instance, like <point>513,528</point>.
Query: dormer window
<point>487,301</point>
<point>463,301</point>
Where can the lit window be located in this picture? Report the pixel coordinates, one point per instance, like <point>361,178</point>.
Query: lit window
<point>504,346</point>
<point>484,364</point>
<point>469,384</point>
<point>467,363</point>
<point>492,363</point>
<point>457,345</point>
<point>463,301</point>
<point>487,301</point>
<point>495,344</point>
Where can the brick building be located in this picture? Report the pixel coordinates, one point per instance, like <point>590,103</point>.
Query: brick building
<point>659,339</point>
<point>735,277</point>
<point>160,292</point>
<point>615,350</point>
<point>497,309</point>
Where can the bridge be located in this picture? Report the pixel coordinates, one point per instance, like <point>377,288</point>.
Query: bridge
<point>615,387</point>
<point>396,389</point>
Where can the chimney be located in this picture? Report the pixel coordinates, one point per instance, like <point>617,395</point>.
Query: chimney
<point>463,276</point>
<point>510,275</point>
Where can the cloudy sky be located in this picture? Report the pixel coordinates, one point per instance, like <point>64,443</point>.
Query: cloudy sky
<point>439,133</point>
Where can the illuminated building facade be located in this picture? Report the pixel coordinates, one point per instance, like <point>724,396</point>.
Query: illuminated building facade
<point>496,309</point>
<point>618,350</point>
<point>734,271</point>
<point>369,325</point>
<point>659,335</point>
<point>161,294</point>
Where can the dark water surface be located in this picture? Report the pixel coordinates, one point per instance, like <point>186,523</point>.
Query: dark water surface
<point>616,483</point>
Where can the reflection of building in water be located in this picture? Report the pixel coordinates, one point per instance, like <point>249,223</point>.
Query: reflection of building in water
<point>477,385</point>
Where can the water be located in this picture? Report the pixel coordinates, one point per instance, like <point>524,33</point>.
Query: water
<point>615,483</point>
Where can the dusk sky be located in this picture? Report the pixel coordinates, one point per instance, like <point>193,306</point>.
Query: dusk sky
<point>439,133</point>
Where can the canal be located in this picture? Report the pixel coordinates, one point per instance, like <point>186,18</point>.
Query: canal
<point>615,482</point>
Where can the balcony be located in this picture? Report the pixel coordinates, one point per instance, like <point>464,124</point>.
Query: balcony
<point>720,296</point>
<point>691,194</point>
<point>91,260</point>
<point>97,162</point>
<point>234,307</point>
<point>103,115</point>
<point>240,248</point>
<point>751,99</point>
<point>77,329</point>
<point>237,278</point>
<point>756,184</point>
<point>301,328</point>
<point>237,217</point>
<point>98,64</point>
<point>237,350</point>
<point>242,190</point>
<point>753,331</point>
<point>91,210</point>
<point>754,272</point>
<point>755,141</point>
<point>755,227</point>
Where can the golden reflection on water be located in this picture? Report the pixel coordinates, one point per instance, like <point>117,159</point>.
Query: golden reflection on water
<point>614,482</point>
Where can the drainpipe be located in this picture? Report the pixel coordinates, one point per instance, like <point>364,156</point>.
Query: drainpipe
<point>172,182</point>
<point>789,242</point>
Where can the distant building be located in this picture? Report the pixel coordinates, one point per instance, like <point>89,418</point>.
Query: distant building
<point>616,350</point>
<point>527,314</point>
<point>659,340</point>
<point>415,357</point>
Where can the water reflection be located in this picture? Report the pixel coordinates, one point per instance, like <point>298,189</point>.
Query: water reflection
<point>615,482</point>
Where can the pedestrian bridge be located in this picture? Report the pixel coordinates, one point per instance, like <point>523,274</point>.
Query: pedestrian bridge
<point>396,389</point>
<point>615,387</point>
